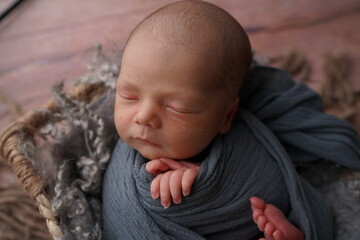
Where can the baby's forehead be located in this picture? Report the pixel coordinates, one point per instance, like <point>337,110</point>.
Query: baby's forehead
<point>203,29</point>
<point>206,58</point>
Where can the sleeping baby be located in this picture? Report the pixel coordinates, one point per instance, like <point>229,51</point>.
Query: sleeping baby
<point>191,163</point>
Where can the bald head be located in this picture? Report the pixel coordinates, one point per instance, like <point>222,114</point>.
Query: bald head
<point>203,29</point>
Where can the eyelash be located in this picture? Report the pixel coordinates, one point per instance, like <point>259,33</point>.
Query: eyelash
<point>128,98</point>
<point>180,110</point>
<point>169,107</point>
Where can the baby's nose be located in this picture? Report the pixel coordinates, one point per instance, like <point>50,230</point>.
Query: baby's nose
<point>147,115</point>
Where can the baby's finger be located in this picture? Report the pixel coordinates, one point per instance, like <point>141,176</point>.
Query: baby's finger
<point>156,166</point>
<point>175,185</point>
<point>190,164</point>
<point>172,164</point>
<point>165,190</point>
<point>155,187</point>
<point>188,179</point>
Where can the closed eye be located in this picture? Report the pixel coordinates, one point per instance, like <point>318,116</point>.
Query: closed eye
<point>180,110</point>
<point>128,97</point>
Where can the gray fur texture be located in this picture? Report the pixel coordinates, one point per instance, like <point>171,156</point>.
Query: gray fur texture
<point>80,139</point>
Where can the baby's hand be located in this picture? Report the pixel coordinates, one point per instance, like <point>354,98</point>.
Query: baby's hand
<point>172,179</point>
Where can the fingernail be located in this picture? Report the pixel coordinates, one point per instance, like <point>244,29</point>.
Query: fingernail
<point>154,195</point>
<point>186,193</point>
<point>177,201</point>
<point>165,204</point>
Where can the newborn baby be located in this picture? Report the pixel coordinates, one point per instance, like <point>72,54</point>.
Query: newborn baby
<point>176,101</point>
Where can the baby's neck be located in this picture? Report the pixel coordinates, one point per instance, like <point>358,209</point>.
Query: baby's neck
<point>202,155</point>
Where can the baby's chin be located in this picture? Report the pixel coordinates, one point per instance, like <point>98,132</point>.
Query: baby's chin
<point>151,152</point>
<point>148,152</point>
<point>157,155</point>
<point>153,156</point>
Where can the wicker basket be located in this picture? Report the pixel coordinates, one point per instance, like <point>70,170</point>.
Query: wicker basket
<point>29,125</point>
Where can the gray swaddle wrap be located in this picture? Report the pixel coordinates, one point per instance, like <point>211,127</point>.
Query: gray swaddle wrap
<point>248,161</point>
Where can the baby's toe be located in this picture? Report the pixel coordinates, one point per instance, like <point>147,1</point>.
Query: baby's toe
<point>261,222</point>
<point>256,214</point>
<point>278,235</point>
<point>269,230</point>
<point>257,203</point>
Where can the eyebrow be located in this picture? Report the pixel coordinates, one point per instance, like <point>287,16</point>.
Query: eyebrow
<point>127,85</point>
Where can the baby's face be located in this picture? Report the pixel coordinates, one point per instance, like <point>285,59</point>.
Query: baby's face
<point>165,106</point>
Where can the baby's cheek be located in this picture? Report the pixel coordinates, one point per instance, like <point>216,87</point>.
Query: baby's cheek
<point>121,124</point>
<point>188,145</point>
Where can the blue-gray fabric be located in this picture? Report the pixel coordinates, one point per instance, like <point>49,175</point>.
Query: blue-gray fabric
<point>279,122</point>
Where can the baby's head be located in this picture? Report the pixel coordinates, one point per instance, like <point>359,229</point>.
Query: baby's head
<point>181,71</point>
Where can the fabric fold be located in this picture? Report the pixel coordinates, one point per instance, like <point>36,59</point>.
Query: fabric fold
<point>294,113</point>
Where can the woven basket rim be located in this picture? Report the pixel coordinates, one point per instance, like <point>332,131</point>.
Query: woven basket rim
<point>29,124</point>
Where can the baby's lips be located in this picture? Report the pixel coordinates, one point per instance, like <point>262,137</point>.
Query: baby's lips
<point>148,142</point>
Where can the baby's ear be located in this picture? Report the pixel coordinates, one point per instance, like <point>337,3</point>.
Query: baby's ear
<point>229,117</point>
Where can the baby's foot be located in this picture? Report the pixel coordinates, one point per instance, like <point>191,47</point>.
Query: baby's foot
<point>272,222</point>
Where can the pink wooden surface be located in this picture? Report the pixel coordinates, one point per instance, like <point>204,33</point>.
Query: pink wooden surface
<point>43,42</point>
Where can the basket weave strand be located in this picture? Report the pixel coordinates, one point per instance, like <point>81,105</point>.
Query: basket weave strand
<point>25,128</point>
<point>27,175</point>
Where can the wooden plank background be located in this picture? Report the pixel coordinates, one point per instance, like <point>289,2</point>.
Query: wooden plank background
<point>45,41</point>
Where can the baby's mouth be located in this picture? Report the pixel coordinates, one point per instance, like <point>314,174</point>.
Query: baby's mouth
<point>147,142</point>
